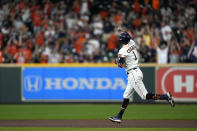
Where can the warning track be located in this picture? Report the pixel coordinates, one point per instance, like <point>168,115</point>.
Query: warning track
<point>101,123</point>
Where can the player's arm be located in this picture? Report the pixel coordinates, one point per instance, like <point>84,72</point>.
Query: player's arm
<point>120,61</point>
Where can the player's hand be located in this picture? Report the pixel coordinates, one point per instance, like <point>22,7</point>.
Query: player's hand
<point>118,63</point>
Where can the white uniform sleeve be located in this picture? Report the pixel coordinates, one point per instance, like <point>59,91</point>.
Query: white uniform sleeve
<point>122,53</point>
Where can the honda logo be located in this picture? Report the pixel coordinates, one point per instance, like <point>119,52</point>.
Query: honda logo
<point>32,83</point>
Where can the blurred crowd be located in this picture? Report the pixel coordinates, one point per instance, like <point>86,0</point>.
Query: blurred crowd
<point>70,31</point>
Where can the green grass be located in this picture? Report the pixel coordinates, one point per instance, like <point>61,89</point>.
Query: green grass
<point>95,111</point>
<point>90,129</point>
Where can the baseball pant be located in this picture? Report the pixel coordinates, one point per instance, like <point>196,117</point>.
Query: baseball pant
<point>135,83</point>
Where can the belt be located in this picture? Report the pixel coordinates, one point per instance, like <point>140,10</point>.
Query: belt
<point>131,69</point>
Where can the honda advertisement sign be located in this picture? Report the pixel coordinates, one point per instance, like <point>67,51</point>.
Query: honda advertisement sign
<point>73,84</point>
<point>180,81</point>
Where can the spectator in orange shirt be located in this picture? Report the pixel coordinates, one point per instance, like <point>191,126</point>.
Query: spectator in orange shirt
<point>1,56</point>
<point>26,53</point>
<point>154,40</point>
<point>44,58</point>
<point>37,18</point>
<point>137,22</point>
<point>1,44</point>
<point>155,4</point>
<point>190,33</point>
<point>21,5</point>
<point>80,43</point>
<point>1,40</point>
<point>112,42</point>
<point>45,22</point>
<point>47,7</point>
<point>137,7</point>
<point>77,7</point>
<point>12,47</point>
<point>34,8</point>
<point>117,18</point>
<point>104,14</point>
<point>39,39</point>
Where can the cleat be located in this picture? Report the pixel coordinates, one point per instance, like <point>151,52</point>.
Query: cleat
<point>170,99</point>
<point>116,119</point>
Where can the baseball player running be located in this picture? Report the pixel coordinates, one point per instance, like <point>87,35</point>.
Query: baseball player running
<point>127,58</point>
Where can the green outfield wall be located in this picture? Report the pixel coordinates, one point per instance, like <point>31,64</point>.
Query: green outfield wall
<point>10,84</point>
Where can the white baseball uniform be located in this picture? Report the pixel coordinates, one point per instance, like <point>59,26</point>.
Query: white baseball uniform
<point>135,75</point>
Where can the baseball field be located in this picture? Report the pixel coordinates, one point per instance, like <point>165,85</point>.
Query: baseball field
<point>88,117</point>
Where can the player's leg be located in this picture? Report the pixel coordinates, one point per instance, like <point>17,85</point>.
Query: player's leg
<point>154,96</point>
<point>136,77</point>
<point>118,117</point>
<point>126,96</point>
<point>142,92</point>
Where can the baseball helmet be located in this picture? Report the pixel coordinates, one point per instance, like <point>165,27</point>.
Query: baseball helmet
<point>124,37</point>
